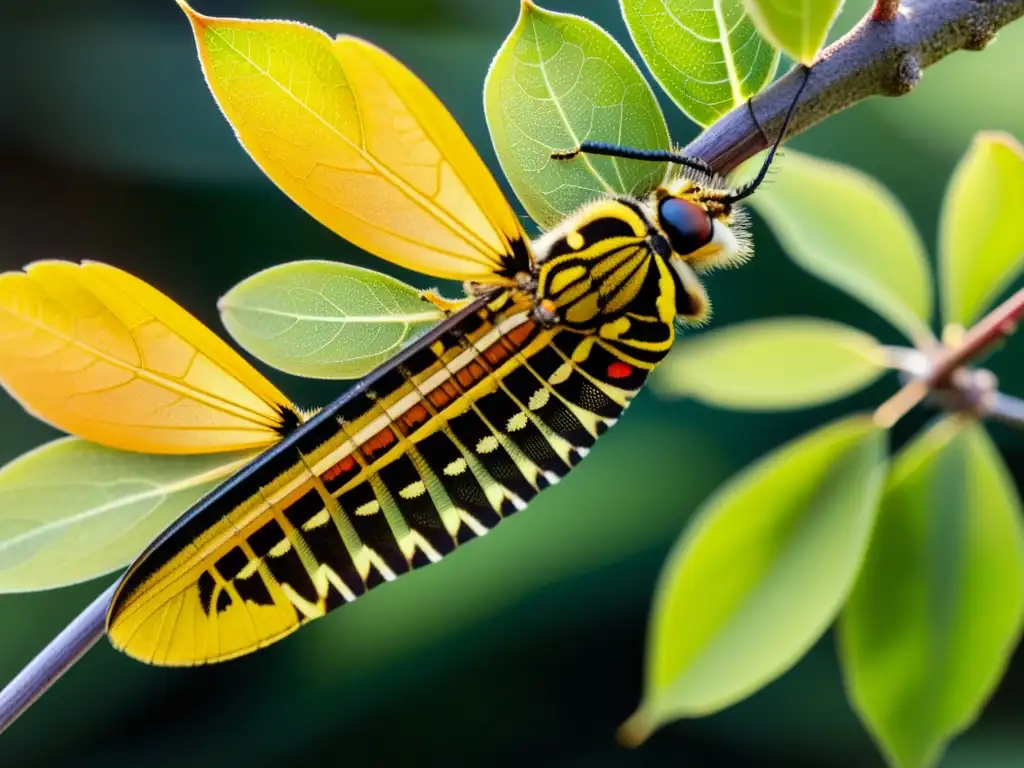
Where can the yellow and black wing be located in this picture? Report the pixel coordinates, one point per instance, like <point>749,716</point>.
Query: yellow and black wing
<point>363,145</point>
<point>102,355</point>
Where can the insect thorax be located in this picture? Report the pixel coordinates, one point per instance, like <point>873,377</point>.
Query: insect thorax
<point>604,272</point>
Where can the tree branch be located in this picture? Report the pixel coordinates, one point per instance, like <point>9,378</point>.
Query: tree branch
<point>875,58</point>
<point>54,660</point>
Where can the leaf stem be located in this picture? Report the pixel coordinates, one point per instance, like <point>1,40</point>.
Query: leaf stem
<point>874,58</point>
<point>54,660</point>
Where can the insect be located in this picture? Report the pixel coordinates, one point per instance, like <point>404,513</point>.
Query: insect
<point>460,429</point>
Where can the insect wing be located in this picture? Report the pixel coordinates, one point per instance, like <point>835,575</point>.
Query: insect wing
<point>264,553</point>
<point>102,355</point>
<point>363,145</point>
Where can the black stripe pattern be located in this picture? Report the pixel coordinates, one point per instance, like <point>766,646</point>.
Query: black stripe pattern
<point>432,450</point>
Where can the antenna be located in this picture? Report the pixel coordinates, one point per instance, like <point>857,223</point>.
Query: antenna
<point>670,156</point>
<point>751,186</point>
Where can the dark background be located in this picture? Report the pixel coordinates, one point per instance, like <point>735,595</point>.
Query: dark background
<point>527,647</point>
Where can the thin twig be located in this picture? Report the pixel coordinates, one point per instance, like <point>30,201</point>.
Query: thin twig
<point>873,59</point>
<point>885,10</point>
<point>54,660</point>
<point>993,328</point>
<point>1006,409</point>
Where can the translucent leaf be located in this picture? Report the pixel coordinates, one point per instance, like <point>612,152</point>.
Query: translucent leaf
<point>99,353</point>
<point>706,54</point>
<point>981,243</point>
<point>761,573</point>
<point>798,27</point>
<point>72,510</point>
<point>773,364</point>
<point>324,320</point>
<point>848,230</point>
<point>937,610</point>
<point>559,80</point>
<point>361,144</point>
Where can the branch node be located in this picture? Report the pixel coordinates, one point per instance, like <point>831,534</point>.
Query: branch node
<point>979,34</point>
<point>971,391</point>
<point>908,75</point>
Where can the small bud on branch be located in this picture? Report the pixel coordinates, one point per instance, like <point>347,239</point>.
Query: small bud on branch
<point>885,10</point>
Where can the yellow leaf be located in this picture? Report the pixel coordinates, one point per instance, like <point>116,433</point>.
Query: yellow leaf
<point>356,140</point>
<point>102,355</point>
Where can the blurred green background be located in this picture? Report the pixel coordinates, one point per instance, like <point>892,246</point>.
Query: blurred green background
<point>529,645</point>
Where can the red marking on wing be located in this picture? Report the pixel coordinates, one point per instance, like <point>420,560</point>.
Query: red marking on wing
<point>439,398</point>
<point>343,466</point>
<point>413,417</point>
<point>379,442</point>
<point>619,370</point>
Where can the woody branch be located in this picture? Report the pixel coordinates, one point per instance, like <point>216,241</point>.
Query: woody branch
<point>879,57</point>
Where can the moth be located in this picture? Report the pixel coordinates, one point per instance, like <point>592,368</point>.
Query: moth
<point>459,430</point>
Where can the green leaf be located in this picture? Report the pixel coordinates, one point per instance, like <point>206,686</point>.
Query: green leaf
<point>72,510</point>
<point>768,365</point>
<point>981,241</point>
<point>323,319</point>
<point>937,610</point>
<point>706,54</point>
<point>559,80</point>
<point>761,573</point>
<point>798,27</point>
<point>848,230</point>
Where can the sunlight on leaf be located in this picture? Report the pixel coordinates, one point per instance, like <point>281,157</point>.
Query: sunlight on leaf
<point>323,319</point>
<point>848,230</point>
<point>100,354</point>
<point>761,573</point>
<point>981,240</point>
<point>72,510</point>
<point>798,27</point>
<point>559,80</point>
<point>360,143</point>
<point>774,364</point>
<point>706,54</point>
<point>937,610</point>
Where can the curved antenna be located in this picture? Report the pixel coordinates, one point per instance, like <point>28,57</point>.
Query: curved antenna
<point>629,153</point>
<point>751,186</point>
<point>690,161</point>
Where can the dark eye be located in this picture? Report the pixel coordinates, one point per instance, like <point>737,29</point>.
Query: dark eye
<point>687,224</point>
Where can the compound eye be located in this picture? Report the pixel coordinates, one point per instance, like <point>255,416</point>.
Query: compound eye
<point>687,225</point>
